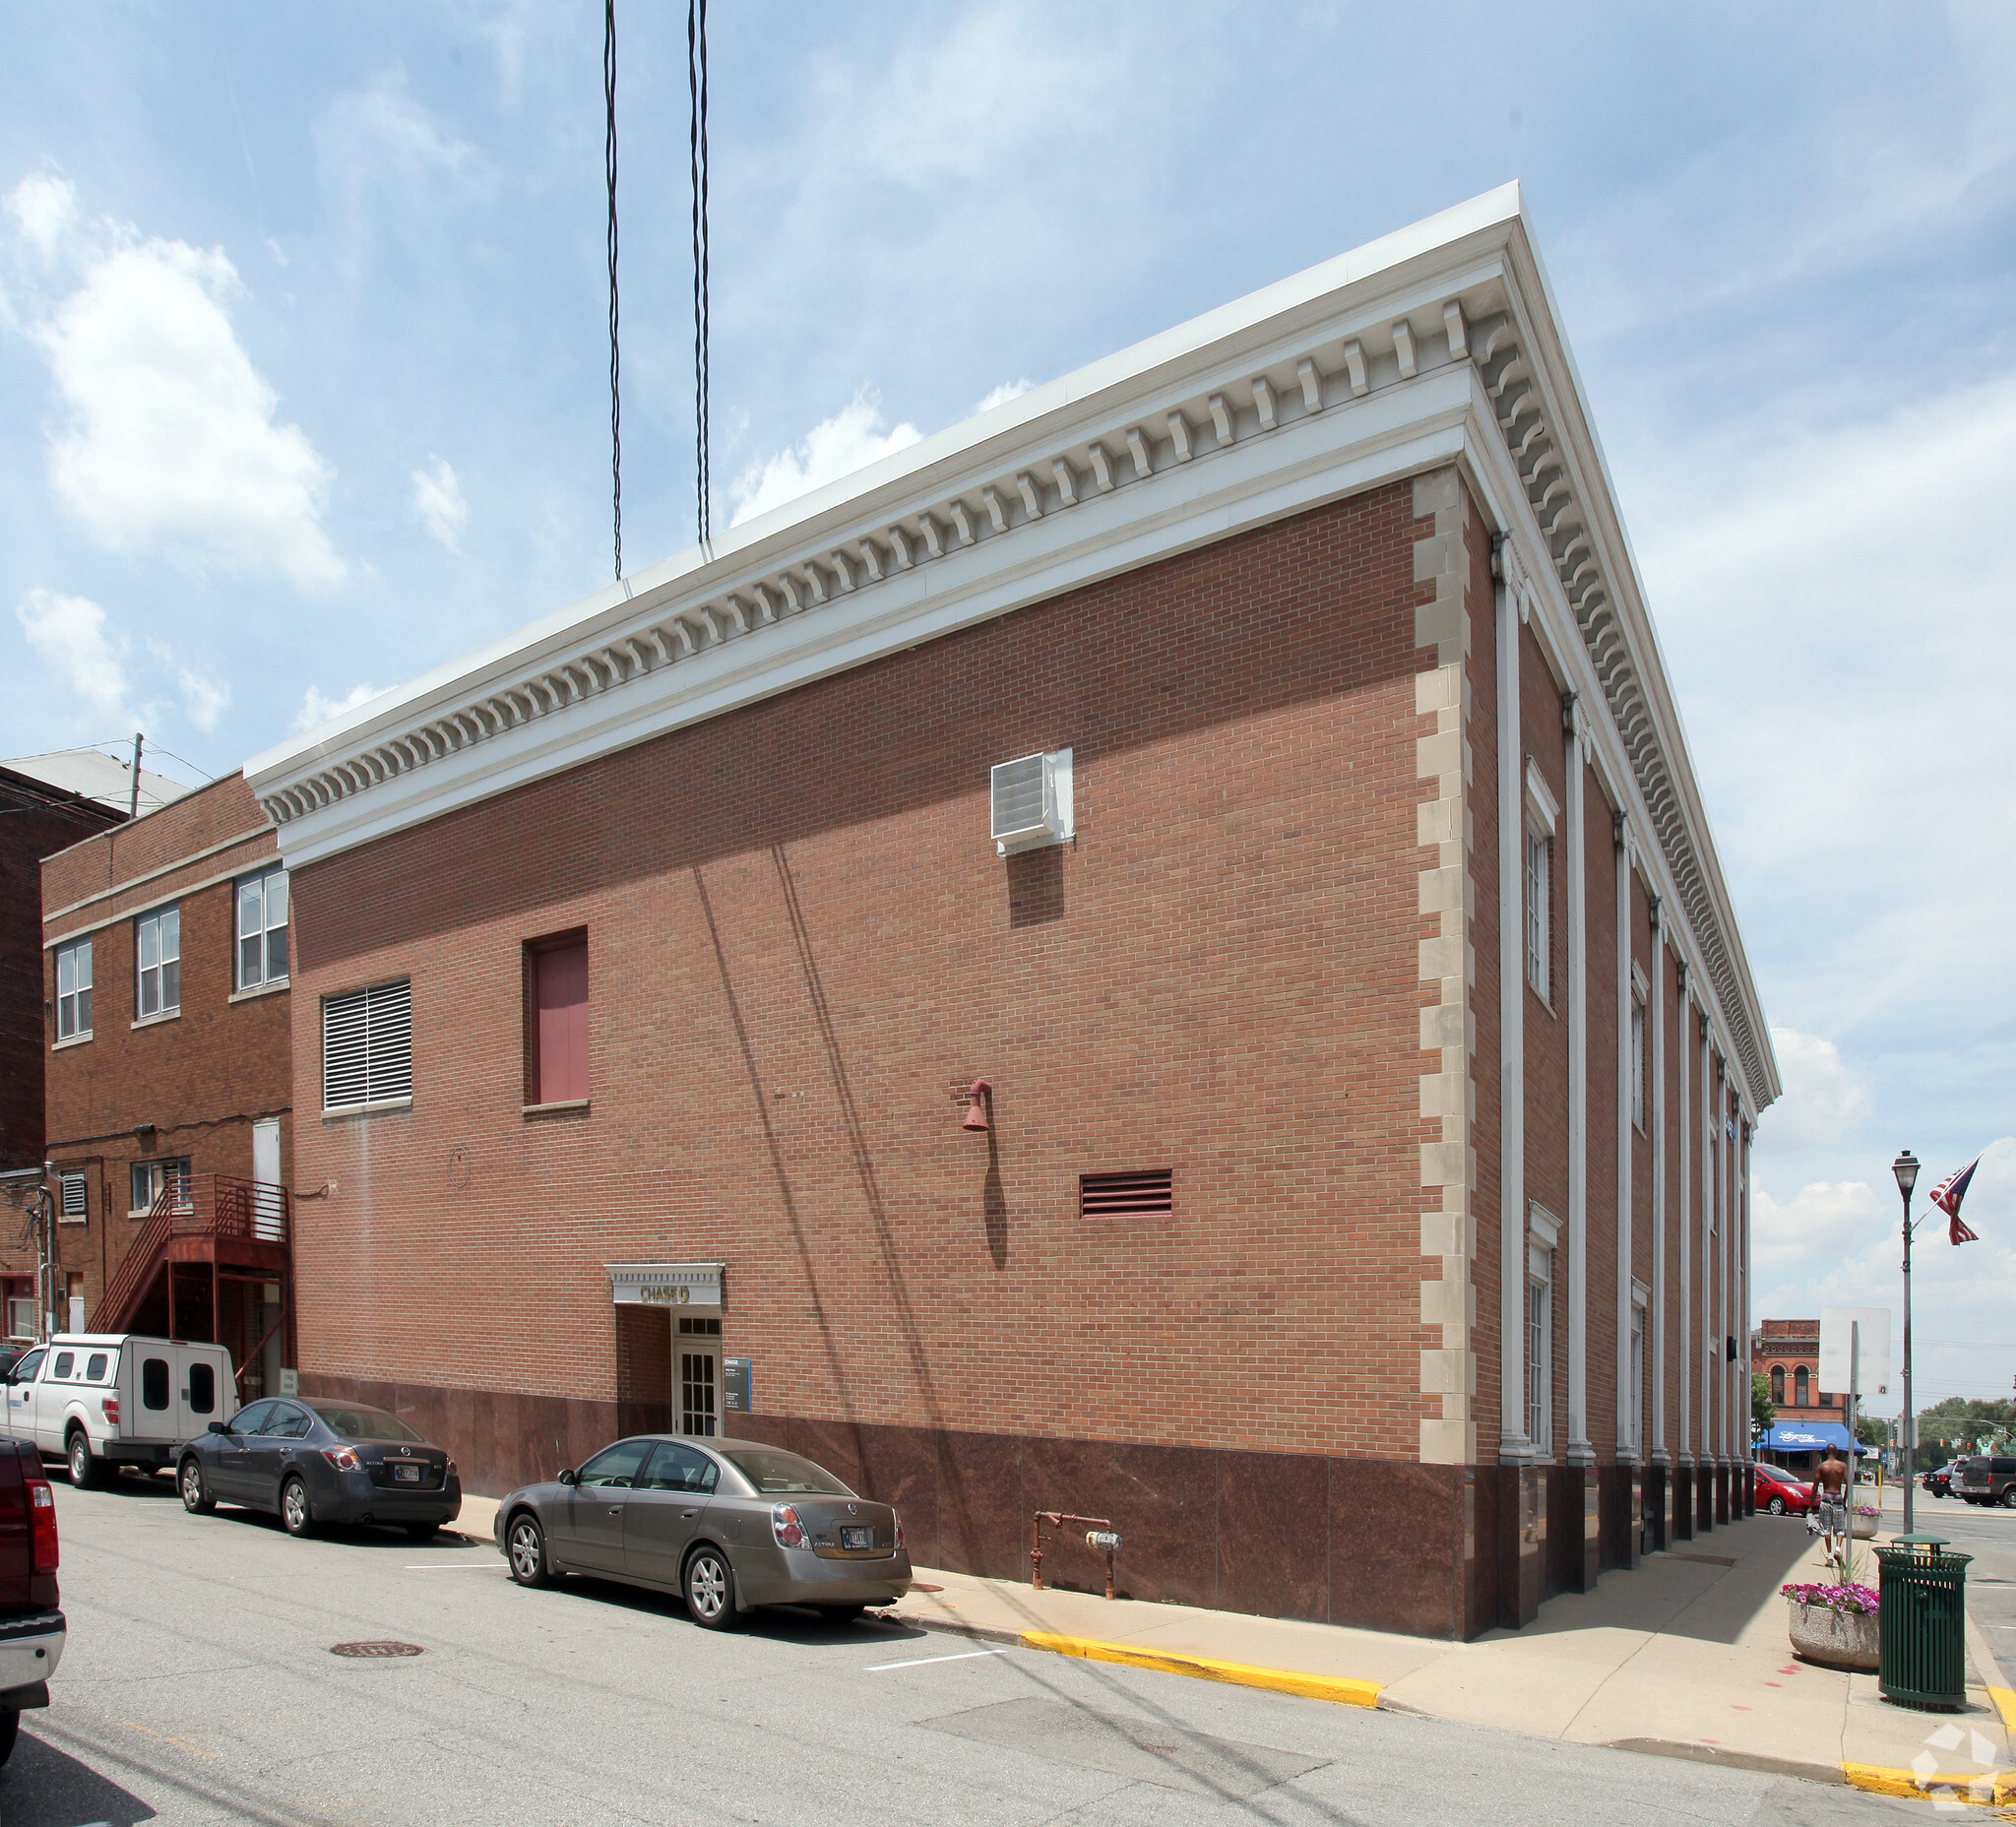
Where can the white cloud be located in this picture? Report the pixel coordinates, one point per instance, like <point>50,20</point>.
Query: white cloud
<point>204,700</point>
<point>1001,395</point>
<point>169,444</point>
<point>317,709</point>
<point>68,635</point>
<point>835,447</point>
<point>1820,1224</point>
<point>1823,1102</point>
<point>438,501</point>
<point>45,212</point>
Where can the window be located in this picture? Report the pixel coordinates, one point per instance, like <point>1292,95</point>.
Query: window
<point>1800,1385</point>
<point>614,1464</point>
<point>285,1423</point>
<point>1638,1061</point>
<point>1826,1400</point>
<point>95,1370</point>
<point>679,1467</point>
<point>1540,857</point>
<point>251,1420</point>
<point>72,991</point>
<point>25,1372</point>
<point>556,1026</point>
<point>1540,1350</point>
<point>201,1388</point>
<point>66,1362</point>
<point>73,1203</point>
<point>153,1383</point>
<point>367,1046</point>
<point>20,1324</point>
<point>1127,1195</point>
<point>263,929</point>
<point>151,1179</point>
<point>159,940</point>
<point>1778,1385</point>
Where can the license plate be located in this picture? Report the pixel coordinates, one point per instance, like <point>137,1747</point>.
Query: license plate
<point>405,1474</point>
<point>856,1538</point>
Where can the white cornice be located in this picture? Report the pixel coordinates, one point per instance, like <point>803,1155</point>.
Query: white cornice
<point>1437,343</point>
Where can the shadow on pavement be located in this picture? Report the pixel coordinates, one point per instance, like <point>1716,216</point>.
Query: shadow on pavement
<point>780,1623</point>
<point>42,1787</point>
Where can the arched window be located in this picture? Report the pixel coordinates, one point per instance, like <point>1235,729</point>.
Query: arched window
<point>1778,1385</point>
<point>1800,1384</point>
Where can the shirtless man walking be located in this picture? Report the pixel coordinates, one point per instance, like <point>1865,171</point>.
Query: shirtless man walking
<point>1832,1478</point>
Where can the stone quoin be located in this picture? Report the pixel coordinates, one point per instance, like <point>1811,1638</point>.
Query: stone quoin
<point>1365,1053</point>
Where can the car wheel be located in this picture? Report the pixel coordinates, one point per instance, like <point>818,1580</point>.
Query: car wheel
<point>84,1464</point>
<point>1776,1506</point>
<point>709,1587</point>
<point>295,1517</point>
<point>526,1552</point>
<point>840,1613</point>
<point>195,1489</point>
<point>10,1724</point>
<point>2009,1498</point>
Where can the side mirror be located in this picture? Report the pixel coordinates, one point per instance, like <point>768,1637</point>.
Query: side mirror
<point>567,1476</point>
<point>223,1427</point>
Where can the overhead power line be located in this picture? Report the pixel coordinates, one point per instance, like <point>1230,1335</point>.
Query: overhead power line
<point>696,87</point>
<point>615,339</point>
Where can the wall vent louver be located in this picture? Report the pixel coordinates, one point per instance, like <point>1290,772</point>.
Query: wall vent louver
<point>367,1046</point>
<point>1127,1195</point>
<point>1030,802</point>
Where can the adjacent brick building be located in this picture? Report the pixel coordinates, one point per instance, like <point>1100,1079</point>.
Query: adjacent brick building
<point>165,989</point>
<point>1155,954</point>
<point>1786,1351</point>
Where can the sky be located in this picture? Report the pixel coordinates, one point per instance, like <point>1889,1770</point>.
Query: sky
<point>303,390</point>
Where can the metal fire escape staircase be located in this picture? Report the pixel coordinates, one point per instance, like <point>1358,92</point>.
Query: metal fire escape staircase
<point>220,1222</point>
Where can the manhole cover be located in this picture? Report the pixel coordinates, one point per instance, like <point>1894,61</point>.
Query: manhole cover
<point>375,1649</point>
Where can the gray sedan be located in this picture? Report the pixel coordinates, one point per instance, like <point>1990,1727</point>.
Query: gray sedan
<point>727,1525</point>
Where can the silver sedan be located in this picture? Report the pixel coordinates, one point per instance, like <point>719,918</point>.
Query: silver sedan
<point>727,1525</point>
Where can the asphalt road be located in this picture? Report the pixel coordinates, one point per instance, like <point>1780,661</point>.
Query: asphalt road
<point>1989,1535</point>
<point>199,1686</point>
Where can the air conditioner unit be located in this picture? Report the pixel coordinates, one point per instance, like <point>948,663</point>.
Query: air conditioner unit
<point>1032,801</point>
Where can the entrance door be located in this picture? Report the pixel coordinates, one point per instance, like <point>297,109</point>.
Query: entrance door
<point>267,1224</point>
<point>696,1361</point>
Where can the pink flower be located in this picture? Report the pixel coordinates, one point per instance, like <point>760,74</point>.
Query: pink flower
<point>1857,1600</point>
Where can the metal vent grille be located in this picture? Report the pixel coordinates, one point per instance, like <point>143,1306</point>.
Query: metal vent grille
<point>1127,1195</point>
<point>1018,797</point>
<point>367,1046</point>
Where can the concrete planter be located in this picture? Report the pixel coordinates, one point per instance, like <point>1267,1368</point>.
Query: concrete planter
<point>1841,1639</point>
<point>1863,1527</point>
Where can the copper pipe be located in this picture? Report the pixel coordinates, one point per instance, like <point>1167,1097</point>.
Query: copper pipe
<point>1057,1519</point>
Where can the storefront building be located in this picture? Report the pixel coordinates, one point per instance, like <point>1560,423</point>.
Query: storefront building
<point>1155,954</point>
<point>166,947</point>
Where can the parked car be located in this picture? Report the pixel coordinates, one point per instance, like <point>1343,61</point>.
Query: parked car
<point>105,1398</point>
<point>1935,1482</point>
<point>727,1525</point>
<point>313,1462</point>
<point>1780,1492</point>
<point>1986,1479</point>
<point>32,1627</point>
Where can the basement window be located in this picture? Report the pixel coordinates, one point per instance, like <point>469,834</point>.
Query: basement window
<point>1149,1194</point>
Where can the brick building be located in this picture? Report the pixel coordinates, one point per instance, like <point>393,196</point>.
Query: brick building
<point>1787,1352</point>
<point>170,1103</point>
<point>1157,953</point>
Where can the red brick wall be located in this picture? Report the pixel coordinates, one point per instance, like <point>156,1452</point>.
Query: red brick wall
<point>200,1078</point>
<point>1601,859</point>
<point>800,942</point>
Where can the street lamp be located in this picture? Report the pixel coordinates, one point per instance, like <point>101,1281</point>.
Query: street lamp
<point>1904,1166</point>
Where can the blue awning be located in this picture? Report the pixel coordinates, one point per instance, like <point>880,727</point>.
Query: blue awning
<point>1809,1437</point>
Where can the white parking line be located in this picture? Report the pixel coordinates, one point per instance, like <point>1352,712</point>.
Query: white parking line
<point>965,1656</point>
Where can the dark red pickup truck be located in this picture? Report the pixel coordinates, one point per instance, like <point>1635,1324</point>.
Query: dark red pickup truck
<point>31,1626</point>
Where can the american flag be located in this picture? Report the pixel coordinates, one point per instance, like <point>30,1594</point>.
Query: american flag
<point>1947,1196</point>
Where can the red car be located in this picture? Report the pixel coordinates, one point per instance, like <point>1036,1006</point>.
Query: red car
<point>1780,1492</point>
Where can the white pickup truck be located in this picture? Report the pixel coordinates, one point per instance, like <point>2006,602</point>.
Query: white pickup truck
<point>98,1400</point>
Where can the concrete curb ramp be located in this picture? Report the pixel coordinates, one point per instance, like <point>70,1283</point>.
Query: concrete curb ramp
<point>1334,1688</point>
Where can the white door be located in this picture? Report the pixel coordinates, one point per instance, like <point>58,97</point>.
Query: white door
<point>266,1217</point>
<point>698,1368</point>
<point>203,1392</point>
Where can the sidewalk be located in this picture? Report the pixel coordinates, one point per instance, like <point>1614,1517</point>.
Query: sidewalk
<point>1686,1656</point>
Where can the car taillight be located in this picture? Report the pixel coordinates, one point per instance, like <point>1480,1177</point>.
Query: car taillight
<point>41,1510</point>
<point>785,1526</point>
<point>450,1473</point>
<point>341,1457</point>
<point>899,1528</point>
<point>108,1407</point>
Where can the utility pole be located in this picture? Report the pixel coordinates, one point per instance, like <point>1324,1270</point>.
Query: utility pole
<point>133,803</point>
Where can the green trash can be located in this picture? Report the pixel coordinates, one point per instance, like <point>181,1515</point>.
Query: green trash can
<point>1921,1624</point>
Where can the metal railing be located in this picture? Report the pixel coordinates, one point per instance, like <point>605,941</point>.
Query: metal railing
<point>196,1205</point>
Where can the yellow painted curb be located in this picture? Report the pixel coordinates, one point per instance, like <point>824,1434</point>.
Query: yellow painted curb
<point>2004,1702</point>
<point>1984,1788</point>
<point>1336,1688</point>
